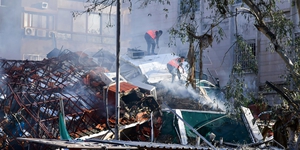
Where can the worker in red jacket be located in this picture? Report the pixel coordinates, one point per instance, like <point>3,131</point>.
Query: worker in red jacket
<point>152,37</point>
<point>174,65</point>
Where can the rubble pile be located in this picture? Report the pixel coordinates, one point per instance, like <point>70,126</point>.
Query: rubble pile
<point>180,103</point>
<point>30,92</point>
<point>164,95</point>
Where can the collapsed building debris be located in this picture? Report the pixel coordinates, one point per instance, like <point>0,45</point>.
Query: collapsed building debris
<point>30,92</point>
<point>205,99</point>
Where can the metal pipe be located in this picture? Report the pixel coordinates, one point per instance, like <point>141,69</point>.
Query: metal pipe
<point>264,112</point>
<point>117,135</point>
<point>62,109</point>
<point>105,96</point>
<point>197,141</point>
<point>105,89</point>
<point>152,133</point>
<point>178,134</point>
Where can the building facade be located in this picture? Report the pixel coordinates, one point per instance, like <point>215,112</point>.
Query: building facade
<point>219,59</point>
<point>32,28</point>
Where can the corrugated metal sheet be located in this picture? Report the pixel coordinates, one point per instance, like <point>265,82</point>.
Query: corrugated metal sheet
<point>112,144</point>
<point>124,87</point>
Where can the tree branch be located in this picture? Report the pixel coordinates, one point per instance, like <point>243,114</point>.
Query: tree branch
<point>262,27</point>
<point>227,52</point>
<point>298,7</point>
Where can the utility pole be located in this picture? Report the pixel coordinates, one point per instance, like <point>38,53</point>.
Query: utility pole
<point>117,132</point>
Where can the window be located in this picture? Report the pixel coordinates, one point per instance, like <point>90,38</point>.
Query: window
<point>42,21</point>
<point>187,6</point>
<point>245,56</point>
<point>91,27</point>
<point>94,24</point>
<point>4,2</point>
<point>109,25</point>
<point>79,23</point>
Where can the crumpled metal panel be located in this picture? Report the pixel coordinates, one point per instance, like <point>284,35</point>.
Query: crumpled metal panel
<point>30,92</point>
<point>124,87</point>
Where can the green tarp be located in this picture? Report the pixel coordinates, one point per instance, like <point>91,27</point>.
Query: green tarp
<point>231,130</point>
<point>64,135</point>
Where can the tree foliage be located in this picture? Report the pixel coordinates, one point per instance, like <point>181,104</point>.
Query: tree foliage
<point>279,29</point>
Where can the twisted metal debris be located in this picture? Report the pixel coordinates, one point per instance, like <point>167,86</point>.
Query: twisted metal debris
<point>30,92</point>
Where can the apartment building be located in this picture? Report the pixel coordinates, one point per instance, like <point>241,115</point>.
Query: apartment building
<point>219,59</point>
<point>30,29</point>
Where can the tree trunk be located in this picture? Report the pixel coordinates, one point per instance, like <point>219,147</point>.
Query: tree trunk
<point>298,7</point>
<point>191,61</point>
<point>205,41</point>
<point>262,27</point>
<point>200,61</point>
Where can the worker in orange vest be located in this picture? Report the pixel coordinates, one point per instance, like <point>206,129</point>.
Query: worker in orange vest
<point>152,37</point>
<point>174,65</point>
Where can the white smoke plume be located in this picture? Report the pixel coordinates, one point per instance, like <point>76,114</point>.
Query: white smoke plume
<point>213,98</point>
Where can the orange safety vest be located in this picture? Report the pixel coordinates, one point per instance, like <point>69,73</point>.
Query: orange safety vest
<point>174,62</point>
<point>152,33</point>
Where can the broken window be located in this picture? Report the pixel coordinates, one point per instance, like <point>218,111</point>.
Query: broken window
<point>79,24</point>
<point>245,56</point>
<point>108,25</point>
<point>94,24</point>
<point>42,21</point>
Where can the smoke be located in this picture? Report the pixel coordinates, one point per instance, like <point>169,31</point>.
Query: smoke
<point>212,98</point>
<point>76,34</point>
<point>10,17</point>
<point>216,98</point>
